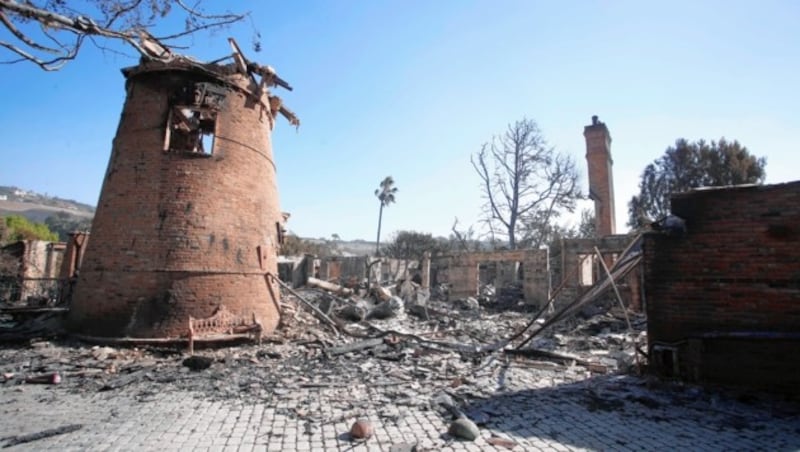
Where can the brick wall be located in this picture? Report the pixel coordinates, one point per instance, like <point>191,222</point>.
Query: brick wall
<point>726,296</point>
<point>574,251</point>
<point>178,235</point>
<point>352,270</point>
<point>73,254</point>
<point>462,272</point>
<point>31,269</point>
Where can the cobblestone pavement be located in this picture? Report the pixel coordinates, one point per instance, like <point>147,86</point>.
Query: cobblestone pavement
<point>598,413</point>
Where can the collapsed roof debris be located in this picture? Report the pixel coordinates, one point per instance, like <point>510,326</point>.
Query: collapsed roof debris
<point>262,76</point>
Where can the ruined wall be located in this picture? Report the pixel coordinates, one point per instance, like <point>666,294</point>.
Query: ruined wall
<point>40,265</point>
<point>73,254</point>
<point>41,259</point>
<point>580,268</point>
<point>352,270</point>
<point>176,233</point>
<point>393,270</point>
<point>723,301</point>
<point>293,270</point>
<point>349,270</point>
<point>462,272</point>
<point>31,269</point>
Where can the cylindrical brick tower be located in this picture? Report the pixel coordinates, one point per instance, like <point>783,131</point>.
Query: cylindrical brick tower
<point>188,219</point>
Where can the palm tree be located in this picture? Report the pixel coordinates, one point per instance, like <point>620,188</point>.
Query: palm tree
<point>386,196</point>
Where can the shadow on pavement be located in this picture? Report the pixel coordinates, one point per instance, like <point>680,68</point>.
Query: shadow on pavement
<point>625,412</point>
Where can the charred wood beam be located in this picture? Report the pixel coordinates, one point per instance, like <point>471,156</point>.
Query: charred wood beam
<point>354,347</point>
<point>22,439</point>
<point>321,315</point>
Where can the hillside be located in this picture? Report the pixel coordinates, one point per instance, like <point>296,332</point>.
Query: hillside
<point>37,207</point>
<point>62,216</point>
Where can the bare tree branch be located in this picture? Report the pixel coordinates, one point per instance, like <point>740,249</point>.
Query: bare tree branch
<point>460,237</point>
<point>22,37</point>
<point>121,11</point>
<point>195,12</point>
<point>44,30</point>
<point>483,172</point>
<point>49,65</point>
<point>525,183</point>
<point>117,20</point>
<point>106,49</point>
<point>220,23</point>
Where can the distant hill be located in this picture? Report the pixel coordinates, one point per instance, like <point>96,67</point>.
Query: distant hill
<point>37,207</point>
<point>62,216</point>
<point>348,248</point>
<point>357,247</point>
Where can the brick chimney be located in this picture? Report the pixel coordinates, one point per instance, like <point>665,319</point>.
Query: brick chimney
<point>601,181</point>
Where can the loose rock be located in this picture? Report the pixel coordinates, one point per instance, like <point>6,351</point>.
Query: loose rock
<point>361,429</point>
<point>403,447</point>
<point>463,428</point>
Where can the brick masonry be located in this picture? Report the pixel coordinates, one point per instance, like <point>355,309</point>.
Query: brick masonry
<point>175,234</point>
<point>36,261</point>
<point>601,181</point>
<point>611,246</point>
<point>73,254</point>
<point>463,273</point>
<point>725,297</point>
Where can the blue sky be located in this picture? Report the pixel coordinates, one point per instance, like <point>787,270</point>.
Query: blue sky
<point>413,88</point>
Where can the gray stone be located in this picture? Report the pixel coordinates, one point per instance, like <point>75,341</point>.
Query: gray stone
<point>469,304</point>
<point>463,428</point>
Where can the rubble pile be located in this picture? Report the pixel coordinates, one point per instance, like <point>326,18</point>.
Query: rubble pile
<point>320,369</point>
<point>392,346</point>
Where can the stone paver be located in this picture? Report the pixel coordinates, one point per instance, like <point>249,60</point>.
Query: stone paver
<point>601,413</point>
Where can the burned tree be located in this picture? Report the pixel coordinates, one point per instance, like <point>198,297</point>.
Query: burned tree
<point>464,240</point>
<point>526,184</point>
<point>50,33</point>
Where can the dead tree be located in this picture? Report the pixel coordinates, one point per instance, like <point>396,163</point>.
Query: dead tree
<point>50,33</point>
<point>525,183</point>
<point>463,240</point>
